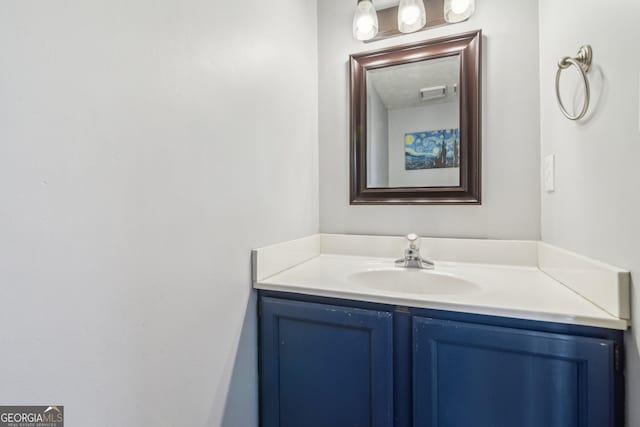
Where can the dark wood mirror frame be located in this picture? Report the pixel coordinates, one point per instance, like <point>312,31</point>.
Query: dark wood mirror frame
<point>468,47</point>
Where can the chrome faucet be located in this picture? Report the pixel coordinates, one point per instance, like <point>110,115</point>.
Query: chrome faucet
<point>412,258</point>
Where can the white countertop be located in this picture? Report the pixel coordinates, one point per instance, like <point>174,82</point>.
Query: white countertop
<point>519,292</point>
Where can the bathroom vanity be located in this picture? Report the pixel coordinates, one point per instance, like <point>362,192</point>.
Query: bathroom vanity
<point>487,338</point>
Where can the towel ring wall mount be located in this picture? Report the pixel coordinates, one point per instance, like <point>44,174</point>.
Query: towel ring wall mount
<point>582,61</point>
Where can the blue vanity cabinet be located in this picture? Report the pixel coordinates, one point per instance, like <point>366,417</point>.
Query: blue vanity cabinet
<point>328,362</point>
<point>468,374</point>
<point>324,365</point>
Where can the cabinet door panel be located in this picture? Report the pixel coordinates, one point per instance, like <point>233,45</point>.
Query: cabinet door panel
<point>484,376</point>
<point>325,366</point>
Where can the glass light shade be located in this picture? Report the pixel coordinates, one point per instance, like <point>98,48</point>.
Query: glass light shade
<point>458,10</point>
<point>411,16</point>
<point>365,21</point>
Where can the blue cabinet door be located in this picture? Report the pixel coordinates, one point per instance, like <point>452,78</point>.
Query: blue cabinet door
<point>469,375</point>
<point>325,366</point>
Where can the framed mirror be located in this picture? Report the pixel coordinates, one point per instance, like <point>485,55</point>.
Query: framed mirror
<point>415,123</point>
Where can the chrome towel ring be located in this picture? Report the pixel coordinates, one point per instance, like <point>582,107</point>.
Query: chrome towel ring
<point>582,62</point>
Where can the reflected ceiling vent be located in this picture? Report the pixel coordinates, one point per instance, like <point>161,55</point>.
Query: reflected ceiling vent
<point>437,92</point>
<point>431,93</point>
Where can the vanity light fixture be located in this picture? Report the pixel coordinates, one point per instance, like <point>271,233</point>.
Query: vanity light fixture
<point>412,16</point>
<point>458,10</point>
<point>365,21</point>
<point>380,19</point>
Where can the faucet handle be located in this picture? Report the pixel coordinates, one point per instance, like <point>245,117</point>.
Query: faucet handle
<point>413,240</point>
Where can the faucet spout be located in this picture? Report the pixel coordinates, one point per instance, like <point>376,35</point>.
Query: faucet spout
<point>412,257</point>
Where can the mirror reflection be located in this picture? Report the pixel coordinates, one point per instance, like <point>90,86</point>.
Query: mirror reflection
<point>413,122</point>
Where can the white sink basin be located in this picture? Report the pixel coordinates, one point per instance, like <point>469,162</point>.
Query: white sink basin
<point>413,281</point>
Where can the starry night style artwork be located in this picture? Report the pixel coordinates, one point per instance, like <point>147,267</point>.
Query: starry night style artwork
<point>434,149</point>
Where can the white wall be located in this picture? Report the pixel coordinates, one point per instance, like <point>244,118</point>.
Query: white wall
<point>145,148</point>
<point>377,144</point>
<point>511,153</point>
<point>596,207</point>
<point>436,116</point>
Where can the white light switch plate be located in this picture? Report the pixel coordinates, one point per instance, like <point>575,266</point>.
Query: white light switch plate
<point>550,173</point>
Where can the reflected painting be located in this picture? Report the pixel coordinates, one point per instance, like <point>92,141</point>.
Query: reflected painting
<point>434,149</point>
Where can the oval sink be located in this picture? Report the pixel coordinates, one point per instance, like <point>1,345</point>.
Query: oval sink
<point>413,281</point>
